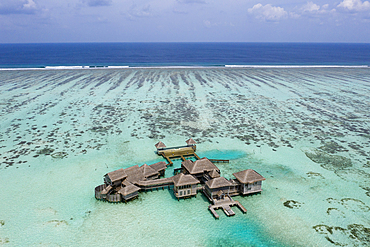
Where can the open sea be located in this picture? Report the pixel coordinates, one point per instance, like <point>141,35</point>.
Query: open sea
<point>297,113</point>
<point>181,54</point>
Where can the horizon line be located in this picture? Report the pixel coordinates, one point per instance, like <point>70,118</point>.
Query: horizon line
<point>185,42</point>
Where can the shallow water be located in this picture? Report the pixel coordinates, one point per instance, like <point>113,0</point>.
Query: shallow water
<point>306,130</point>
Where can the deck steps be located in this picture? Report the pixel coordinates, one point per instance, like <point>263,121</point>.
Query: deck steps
<point>228,211</point>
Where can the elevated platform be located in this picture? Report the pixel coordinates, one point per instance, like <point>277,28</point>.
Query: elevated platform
<point>226,205</point>
<point>177,153</point>
<point>155,184</point>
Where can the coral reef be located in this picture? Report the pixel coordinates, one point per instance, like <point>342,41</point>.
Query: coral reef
<point>328,161</point>
<point>352,235</point>
<point>292,204</point>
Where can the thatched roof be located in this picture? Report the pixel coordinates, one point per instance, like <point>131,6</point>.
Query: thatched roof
<point>248,176</point>
<point>160,145</point>
<point>148,171</point>
<point>188,164</point>
<point>116,175</point>
<point>218,183</point>
<point>128,189</point>
<point>214,174</point>
<point>199,166</point>
<point>159,166</point>
<point>134,174</point>
<point>181,179</point>
<point>190,142</point>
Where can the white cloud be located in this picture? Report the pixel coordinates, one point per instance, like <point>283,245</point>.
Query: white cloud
<point>30,4</point>
<point>268,12</point>
<point>17,7</point>
<point>140,11</point>
<point>294,15</point>
<point>310,7</point>
<point>354,5</point>
<point>151,9</point>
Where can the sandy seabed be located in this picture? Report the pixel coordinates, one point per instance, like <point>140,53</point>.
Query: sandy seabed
<point>306,130</point>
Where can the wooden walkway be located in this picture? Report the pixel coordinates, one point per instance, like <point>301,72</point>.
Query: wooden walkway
<point>156,184</point>
<point>169,161</point>
<point>226,205</point>
<point>177,153</point>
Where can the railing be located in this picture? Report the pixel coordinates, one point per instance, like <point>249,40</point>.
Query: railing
<point>98,190</point>
<point>114,198</point>
<point>219,161</point>
<point>160,149</point>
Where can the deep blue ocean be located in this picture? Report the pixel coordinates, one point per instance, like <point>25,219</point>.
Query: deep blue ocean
<point>182,54</point>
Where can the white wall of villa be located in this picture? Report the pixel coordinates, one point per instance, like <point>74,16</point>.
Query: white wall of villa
<point>185,190</point>
<point>249,188</point>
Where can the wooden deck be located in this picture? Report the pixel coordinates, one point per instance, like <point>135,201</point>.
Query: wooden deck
<point>226,205</point>
<point>177,153</point>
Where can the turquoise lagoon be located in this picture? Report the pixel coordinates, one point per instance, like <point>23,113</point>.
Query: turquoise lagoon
<point>306,130</point>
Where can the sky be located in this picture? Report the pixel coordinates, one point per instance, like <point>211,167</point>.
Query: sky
<point>50,21</point>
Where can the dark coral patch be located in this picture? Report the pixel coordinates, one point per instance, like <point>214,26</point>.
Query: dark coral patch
<point>328,161</point>
<point>353,235</point>
<point>292,204</point>
<point>46,151</point>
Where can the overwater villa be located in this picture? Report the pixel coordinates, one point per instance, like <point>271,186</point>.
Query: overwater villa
<point>201,175</point>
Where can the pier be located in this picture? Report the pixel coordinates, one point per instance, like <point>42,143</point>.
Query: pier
<point>179,152</point>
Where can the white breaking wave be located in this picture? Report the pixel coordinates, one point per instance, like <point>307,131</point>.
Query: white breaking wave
<point>296,66</point>
<point>174,67</point>
<point>68,67</point>
<point>110,67</point>
<point>183,67</point>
